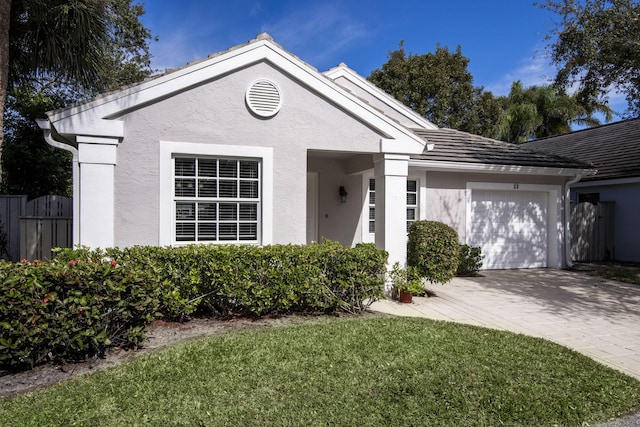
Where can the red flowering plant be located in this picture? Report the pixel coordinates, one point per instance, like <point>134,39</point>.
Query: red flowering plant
<point>46,299</point>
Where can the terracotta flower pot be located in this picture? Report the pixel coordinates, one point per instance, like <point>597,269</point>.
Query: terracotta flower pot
<point>406,297</point>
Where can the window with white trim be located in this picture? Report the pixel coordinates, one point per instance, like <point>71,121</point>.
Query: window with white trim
<point>372,205</point>
<point>412,203</point>
<point>216,199</point>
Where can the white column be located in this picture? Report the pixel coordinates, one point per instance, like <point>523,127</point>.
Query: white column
<point>391,172</point>
<point>96,161</point>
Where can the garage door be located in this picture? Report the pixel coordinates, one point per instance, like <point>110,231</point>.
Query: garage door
<point>510,227</point>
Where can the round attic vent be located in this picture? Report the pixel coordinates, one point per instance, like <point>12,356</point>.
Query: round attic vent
<point>264,98</point>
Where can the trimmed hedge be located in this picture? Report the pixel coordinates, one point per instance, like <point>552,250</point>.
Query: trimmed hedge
<point>69,311</point>
<point>433,250</point>
<point>84,301</point>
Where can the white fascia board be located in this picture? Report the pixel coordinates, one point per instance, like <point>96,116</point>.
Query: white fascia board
<point>606,182</point>
<point>111,105</point>
<point>262,50</point>
<point>401,145</point>
<point>344,71</point>
<point>491,168</point>
<point>79,125</point>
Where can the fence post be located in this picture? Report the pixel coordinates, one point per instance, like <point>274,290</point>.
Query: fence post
<point>11,208</point>
<point>46,224</point>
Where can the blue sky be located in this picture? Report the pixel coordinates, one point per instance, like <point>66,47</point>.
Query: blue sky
<point>503,39</point>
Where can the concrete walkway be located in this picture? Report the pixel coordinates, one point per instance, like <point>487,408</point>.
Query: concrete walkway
<point>597,317</point>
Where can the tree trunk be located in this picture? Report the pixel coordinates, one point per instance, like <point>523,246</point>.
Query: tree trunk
<point>5,20</point>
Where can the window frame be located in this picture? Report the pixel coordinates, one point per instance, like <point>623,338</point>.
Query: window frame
<point>169,150</point>
<point>368,237</point>
<point>416,206</point>
<point>219,200</point>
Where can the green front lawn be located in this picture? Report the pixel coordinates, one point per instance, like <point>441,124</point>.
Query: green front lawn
<point>378,371</point>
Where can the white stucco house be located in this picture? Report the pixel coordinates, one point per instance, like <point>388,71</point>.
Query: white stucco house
<point>253,145</point>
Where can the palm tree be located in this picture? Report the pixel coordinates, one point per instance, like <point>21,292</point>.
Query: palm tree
<point>541,111</point>
<point>60,40</point>
<point>519,118</point>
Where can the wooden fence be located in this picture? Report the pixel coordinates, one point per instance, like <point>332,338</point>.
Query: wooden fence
<point>33,228</point>
<point>11,208</point>
<point>592,232</point>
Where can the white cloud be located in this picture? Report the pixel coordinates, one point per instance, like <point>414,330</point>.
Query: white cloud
<point>316,33</point>
<point>255,9</point>
<point>534,70</point>
<point>617,101</point>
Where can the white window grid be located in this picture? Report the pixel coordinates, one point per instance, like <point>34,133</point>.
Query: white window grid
<point>413,190</point>
<point>216,199</point>
<point>372,205</point>
<point>412,201</point>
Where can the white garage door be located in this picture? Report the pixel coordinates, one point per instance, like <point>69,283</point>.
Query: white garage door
<point>510,227</point>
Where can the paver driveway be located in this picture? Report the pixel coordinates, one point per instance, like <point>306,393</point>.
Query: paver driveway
<point>597,317</point>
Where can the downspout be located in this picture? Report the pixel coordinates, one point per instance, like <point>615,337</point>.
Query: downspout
<point>45,126</point>
<point>567,219</point>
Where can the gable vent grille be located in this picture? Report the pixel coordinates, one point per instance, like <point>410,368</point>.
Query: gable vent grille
<point>264,98</point>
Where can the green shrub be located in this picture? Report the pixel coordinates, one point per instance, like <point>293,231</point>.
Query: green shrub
<point>171,273</point>
<point>433,250</point>
<point>84,301</point>
<point>405,281</point>
<point>470,260</point>
<point>68,311</point>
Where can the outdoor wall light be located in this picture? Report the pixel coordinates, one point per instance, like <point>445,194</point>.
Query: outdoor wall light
<point>343,194</point>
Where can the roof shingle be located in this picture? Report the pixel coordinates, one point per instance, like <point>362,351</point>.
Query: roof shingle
<point>613,149</point>
<point>457,146</point>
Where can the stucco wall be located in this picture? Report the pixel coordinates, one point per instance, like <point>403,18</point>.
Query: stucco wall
<point>336,220</point>
<point>215,113</point>
<point>626,229</point>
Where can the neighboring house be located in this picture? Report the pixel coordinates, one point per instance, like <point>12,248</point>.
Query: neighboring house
<point>252,145</point>
<point>614,150</point>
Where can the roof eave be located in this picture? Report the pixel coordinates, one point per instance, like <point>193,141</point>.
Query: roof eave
<point>595,181</point>
<point>344,71</point>
<point>499,168</point>
<point>104,109</point>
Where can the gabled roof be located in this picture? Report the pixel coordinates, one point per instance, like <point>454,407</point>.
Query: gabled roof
<point>612,149</point>
<point>449,145</point>
<point>453,147</point>
<point>387,102</point>
<point>99,117</point>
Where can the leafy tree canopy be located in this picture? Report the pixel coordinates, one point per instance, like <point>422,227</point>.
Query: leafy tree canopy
<point>29,165</point>
<point>88,46</point>
<point>62,51</point>
<point>439,87</point>
<point>596,45</point>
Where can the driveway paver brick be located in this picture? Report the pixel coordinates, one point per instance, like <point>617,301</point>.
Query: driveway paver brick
<point>597,317</point>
